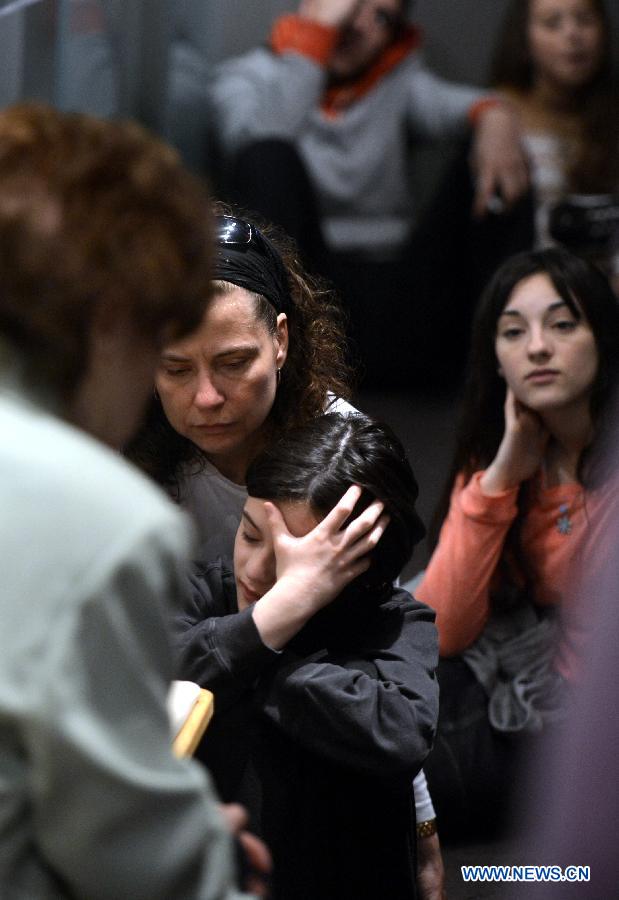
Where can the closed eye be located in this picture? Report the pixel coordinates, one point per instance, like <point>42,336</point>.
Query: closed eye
<point>235,364</point>
<point>173,372</point>
<point>248,538</point>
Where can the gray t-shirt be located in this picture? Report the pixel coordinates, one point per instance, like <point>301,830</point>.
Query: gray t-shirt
<point>216,503</point>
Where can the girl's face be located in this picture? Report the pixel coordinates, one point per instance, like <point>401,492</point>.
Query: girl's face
<point>547,356</point>
<point>565,41</point>
<point>218,385</point>
<point>254,557</point>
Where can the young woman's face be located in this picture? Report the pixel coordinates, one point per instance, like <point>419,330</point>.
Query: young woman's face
<point>547,356</point>
<point>218,385</point>
<point>565,41</point>
<point>254,557</point>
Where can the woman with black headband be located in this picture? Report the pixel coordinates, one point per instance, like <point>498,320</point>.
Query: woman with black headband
<point>268,355</point>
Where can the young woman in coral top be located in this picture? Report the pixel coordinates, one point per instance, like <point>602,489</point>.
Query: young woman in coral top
<point>526,504</point>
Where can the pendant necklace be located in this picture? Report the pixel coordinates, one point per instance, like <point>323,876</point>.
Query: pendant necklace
<point>564,523</point>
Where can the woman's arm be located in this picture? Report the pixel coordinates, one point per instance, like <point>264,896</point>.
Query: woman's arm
<point>217,646</point>
<point>223,649</point>
<point>457,580</point>
<point>372,706</point>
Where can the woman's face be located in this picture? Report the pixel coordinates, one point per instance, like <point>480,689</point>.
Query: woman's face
<point>218,385</point>
<point>547,356</point>
<point>565,41</point>
<point>254,557</point>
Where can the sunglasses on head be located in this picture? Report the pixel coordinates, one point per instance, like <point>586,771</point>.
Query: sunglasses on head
<point>232,232</point>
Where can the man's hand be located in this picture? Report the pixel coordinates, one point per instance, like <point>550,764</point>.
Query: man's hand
<point>430,870</point>
<point>498,159</point>
<point>334,13</point>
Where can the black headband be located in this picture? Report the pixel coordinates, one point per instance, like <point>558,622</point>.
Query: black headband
<point>245,257</point>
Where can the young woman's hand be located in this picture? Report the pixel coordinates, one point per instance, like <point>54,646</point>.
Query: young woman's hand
<point>314,569</point>
<point>521,451</point>
<point>326,559</point>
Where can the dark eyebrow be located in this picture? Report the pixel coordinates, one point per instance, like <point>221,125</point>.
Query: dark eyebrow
<point>173,357</point>
<point>251,351</point>
<point>556,305</point>
<point>250,520</point>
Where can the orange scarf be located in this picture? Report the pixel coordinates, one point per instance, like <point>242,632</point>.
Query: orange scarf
<point>338,98</point>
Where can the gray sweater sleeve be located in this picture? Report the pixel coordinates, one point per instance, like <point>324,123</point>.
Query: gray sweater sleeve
<point>437,108</point>
<point>263,95</point>
<point>117,815</point>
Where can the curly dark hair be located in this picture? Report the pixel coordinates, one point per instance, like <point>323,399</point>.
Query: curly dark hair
<point>316,365</point>
<point>595,168</point>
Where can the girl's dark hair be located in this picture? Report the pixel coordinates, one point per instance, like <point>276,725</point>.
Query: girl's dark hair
<point>586,292</point>
<point>316,364</point>
<point>595,168</point>
<point>317,463</point>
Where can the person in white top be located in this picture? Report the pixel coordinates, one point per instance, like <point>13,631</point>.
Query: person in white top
<point>554,62</point>
<point>269,354</point>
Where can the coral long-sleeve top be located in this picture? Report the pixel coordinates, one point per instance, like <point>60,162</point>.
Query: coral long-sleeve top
<point>561,522</point>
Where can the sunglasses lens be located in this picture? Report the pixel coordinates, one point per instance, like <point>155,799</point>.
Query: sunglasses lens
<point>233,231</point>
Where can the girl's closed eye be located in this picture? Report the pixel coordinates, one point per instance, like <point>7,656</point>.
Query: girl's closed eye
<point>249,538</point>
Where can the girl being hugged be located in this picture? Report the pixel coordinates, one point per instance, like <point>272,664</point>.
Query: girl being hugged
<point>523,498</point>
<point>323,671</point>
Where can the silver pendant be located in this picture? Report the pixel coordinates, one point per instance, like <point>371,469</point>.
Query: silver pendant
<point>564,523</point>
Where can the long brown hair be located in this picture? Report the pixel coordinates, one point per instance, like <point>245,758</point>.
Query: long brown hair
<point>595,167</point>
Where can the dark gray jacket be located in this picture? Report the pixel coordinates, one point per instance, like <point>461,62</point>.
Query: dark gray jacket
<point>321,740</point>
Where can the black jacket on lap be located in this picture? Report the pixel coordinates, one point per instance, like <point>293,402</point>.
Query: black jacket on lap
<point>320,741</point>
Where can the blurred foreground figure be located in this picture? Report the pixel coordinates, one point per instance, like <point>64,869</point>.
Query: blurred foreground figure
<point>103,255</point>
<point>573,804</point>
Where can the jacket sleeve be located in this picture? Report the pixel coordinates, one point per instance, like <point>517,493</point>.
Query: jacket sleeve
<point>217,646</point>
<point>116,814</point>
<point>271,91</point>
<point>373,708</point>
<point>458,578</point>
<point>439,108</point>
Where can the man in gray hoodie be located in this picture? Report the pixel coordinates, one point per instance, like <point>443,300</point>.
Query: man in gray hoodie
<point>341,86</point>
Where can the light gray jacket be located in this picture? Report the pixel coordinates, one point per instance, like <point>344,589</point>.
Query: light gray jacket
<point>92,802</point>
